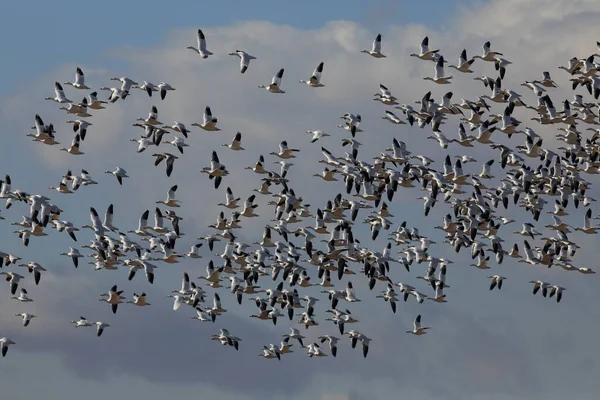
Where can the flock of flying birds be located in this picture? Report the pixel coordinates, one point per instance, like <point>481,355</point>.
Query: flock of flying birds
<point>290,258</point>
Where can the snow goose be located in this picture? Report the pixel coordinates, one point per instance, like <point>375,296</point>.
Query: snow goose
<point>235,143</point>
<point>113,297</point>
<point>193,253</point>
<point>148,269</point>
<point>487,54</point>
<point>147,87</point>
<point>59,94</point>
<point>316,135</point>
<point>178,299</point>
<point>439,76</point>
<point>126,85</point>
<point>82,322</point>
<point>285,347</point>
<point>79,80</point>
<point>284,151</point>
<point>143,143</point>
<point>94,103</point>
<point>547,81</point>
<point>74,149</point>
<point>4,343</point>
<point>425,53</point>
<point>209,123</point>
<point>171,201</point>
<point>179,143</point>
<point>139,300</point>
<point>119,173</point>
<point>390,116</point>
<point>464,65</point>
<point>74,254</point>
<point>62,187</point>
<point>273,87</point>
<point>501,64</point>
<point>178,127</point>
<point>537,285</point>
<point>385,96</point>
<point>152,117</point>
<point>100,326</point>
<point>417,328</point>
<point>244,59</point>
<point>201,46</point>
<point>587,224</point>
<point>315,79</point>
<point>231,202</point>
<point>216,170</point>
<point>375,48</point>
<point>537,90</point>
<point>332,343</point>
<point>26,318</point>
<point>13,279</point>
<point>115,93</point>
<point>79,109</point>
<point>80,127</point>
<point>496,281</point>
<point>314,350</point>
<point>205,316</point>
<point>23,297</point>
<point>35,269</point>
<point>163,88</point>
<point>556,290</point>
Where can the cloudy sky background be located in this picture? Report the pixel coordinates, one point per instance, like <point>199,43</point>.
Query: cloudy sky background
<point>492,345</point>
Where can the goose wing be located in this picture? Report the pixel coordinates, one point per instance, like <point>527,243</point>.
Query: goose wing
<point>79,77</point>
<point>201,41</point>
<point>277,78</point>
<point>376,48</point>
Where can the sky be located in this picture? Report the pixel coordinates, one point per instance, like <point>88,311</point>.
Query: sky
<point>496,345</point>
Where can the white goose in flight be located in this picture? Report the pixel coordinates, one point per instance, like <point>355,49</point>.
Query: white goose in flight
<point>100,326</point>
<point>201,45</point>
<point>439,76</point>
<point>59,94</point>
<point>171,201</point>
<point>13,279</point>
<point>273,87</point>
<point>74,149</point>
<point>139,300</point>
<point>119,173</point>
<point>113,297</point>
<point>26,318</point>
<point>82,322</point>
<point>315,79</point>
<point>79,80</point>
<point>209,123</point>
<point>126,85</point>
<point>487,54</point>
<point>375,48</point>
<point>316,135</point>
<point>80,126</point>
<point>425,53</point>
<point>147,87</point>
<point>4,343</point>
<point>417,328</point>
<point>464,65</point>
<point>244,59</point>
<point>164,87</point>
<point>74,254</point>
<point>235,143</point>
<point>23,297</point>
<point>35,269</point>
